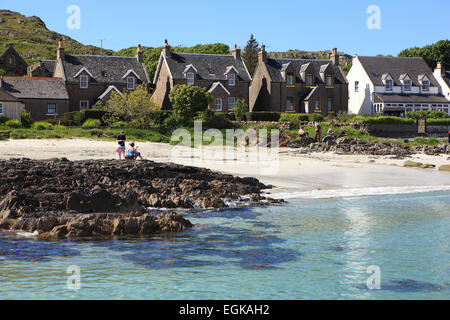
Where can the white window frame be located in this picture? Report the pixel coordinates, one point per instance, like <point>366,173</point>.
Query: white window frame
<point>356,86</point>
<point>309,76</point>
<point>133,87</point>
<point>218,104</point>
<point>391,86</point>
<point>48,109</point>
<point>231,80</point>
<point>86,106</point>
<point>231,103</point>
<point>84,80</point>
<point>290,104</point>
<point>407,85</point>
<point>290,79</point>
<point>190,77</point>
<point>326,80</point>
<point>1,108</point>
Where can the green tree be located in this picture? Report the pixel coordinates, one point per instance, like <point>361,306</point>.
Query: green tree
<point>250,54</point>
<point>130,106</point>
<point>240,109</point>
<point>434,53</point>
<point>2,73</point>
<point>188,101</point>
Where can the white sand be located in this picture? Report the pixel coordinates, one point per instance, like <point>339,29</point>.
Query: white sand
<point>297,173</point>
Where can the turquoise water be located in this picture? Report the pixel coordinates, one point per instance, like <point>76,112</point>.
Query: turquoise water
<point>307,249</point>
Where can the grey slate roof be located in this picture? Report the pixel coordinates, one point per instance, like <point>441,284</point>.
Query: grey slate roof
<point>446,77</point>
<point>105,69</point>
<point>275,66</point>
<point>396,67</point>
<point>49,65</point>
<point>6,97</point>
<point>36,88</point>
<point>411,98</point>
<point>209,66</point>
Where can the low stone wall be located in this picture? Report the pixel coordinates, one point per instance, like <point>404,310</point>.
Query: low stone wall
<point>392,130</point>
<point>280,125</point>
<point>4,135</point>
<point>438,129</point>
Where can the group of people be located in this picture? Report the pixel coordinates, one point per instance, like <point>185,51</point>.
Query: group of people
<point>132,153</point>
<point>318,133</point>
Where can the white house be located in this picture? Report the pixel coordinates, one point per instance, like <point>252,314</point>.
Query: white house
<point>443,77</point>
<point>393,86</point>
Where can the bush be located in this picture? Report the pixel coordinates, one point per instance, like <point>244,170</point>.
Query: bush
<point>14,124</point>
<point>158,117</point>
<point>438,122</point>
<point>92,123</point>
<point>294,118</point>
<point>383,120</point>
<point>3,120</point>
<point>120,125</point>
<point>59,127</point>
<point>263,116</point>
<point>316,117</point>
<point>240,109</point>
<point>217,120</point>
<point>42,126</point>
<point>188,101</point>
<point>78,118</point>
<point>426,114</point>
<point>26,119</point>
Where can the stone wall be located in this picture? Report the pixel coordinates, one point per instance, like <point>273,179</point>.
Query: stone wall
<point>280,125</point>
<point>393,130</point>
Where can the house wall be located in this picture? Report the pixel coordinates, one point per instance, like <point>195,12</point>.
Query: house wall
<point>38,108</point>
<point>163,86</point>
<point>359,102</point>
<point>260,90</point>
<point>11,110</point>
<point>13,63</point>
<point>444,88</point>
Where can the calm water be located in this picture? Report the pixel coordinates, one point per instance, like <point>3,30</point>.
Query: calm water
<point>304,250</point>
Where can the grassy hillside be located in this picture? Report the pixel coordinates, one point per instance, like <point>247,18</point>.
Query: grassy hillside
<point>34,41</point>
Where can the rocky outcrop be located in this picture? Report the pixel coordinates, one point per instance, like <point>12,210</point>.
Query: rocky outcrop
<point>60,198</point>
<point>357,146</point>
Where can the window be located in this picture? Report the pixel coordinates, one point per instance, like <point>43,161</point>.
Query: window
<point>317,104</point>
<point>84,104</point>
<point>51,109</point>
<point>425,85</point>
<point>290,79</point>
<point>309,80</point>
<point>329,81</point>
<point>231,103</point>
<point>356,86</point>
<point>407,85</point>
<point>218,104</point>
<point>84,82</point>
<point>131,83</point>
<point>190,76</point>
<point>290,104</point>
<point>388,85</point>
<point>231,80</point>
<point>330,103</point>
<point>1,108</point>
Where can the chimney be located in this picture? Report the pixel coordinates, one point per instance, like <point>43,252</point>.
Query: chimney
<point>335,57</point>
<point>60,52</point>
<point>237,53</point>
<point>8,45</point>
<point>167,49</point>
<point>262,56</point>
<point>139,54</point>
<point>439,68</point>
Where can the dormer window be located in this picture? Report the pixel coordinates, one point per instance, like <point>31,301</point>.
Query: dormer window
<point>329,80</point>
<point>389,84</point>
<point>309,80</point>
<point>425,85</point>
<point>190,76</point>
<point>290,79</point>
<point>131,83</point>
<point>407,85</point>
<point>84,82</point>
<point>232,80</point>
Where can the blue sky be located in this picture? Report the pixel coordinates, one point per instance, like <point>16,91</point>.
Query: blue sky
<point>280,25</point>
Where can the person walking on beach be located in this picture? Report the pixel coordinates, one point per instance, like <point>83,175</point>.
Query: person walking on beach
<point>318,131</point>
<point>448,136</point>
<point>121,139</point>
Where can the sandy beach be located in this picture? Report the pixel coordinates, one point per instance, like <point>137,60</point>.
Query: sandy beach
<point>292,173</point>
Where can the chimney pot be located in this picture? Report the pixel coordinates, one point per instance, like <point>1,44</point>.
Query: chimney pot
<point>236,52</point>
<point>139,54</point>
<point>335,57</point>
<point>60,51</point>
<point>167,49</point>
<point>262,56</point>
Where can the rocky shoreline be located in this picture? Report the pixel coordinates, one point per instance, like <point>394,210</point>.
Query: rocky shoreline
<point>357,146</point>
<point>59,198</point>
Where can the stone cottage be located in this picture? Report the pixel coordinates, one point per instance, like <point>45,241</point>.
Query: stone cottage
<point>12,63</point>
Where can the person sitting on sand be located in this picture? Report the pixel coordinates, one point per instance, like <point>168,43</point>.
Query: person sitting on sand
<point>342,133</point>
<point>133,153</point>
<point>330,133</point>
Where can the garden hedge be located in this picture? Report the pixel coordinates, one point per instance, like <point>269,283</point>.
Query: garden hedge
<point>263,116</point>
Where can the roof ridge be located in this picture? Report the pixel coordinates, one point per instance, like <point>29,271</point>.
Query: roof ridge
<point>98,56</point>
<point>205,54</point>
<point>390,57</point>
<point>35,78</point>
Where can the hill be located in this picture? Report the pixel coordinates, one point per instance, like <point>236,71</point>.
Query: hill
<point>34,41</point>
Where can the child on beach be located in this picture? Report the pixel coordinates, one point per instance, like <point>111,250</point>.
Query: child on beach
<point>133,153</point>
<point>121,145</point>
